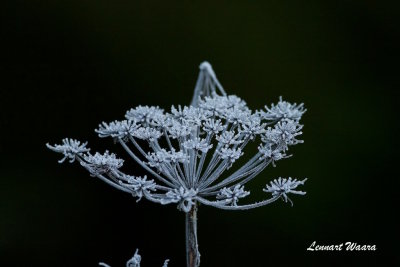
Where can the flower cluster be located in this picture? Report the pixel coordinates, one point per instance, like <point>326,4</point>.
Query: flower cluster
<point>281,187</point>
<point>189,149</point>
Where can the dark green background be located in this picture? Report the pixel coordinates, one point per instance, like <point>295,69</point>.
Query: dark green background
<point>66,66</point>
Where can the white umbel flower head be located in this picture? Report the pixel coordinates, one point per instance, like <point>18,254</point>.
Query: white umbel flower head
<point>187,150</point>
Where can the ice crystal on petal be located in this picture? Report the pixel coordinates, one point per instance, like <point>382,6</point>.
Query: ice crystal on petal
<point>71,148</point>
<point>231,196</point>
<point>282,186</point>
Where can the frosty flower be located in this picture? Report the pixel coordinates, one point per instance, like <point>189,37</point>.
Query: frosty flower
<point>252,126</point>
<point>194,115</point>
<point>189,150</point>
<point>162,157</point>
<point>213,126</point>
<point>282,187</point>
<point>271,154</point>
<point>236,116</point>
<point>144,114</point>
<point>283,134</point>
<point>117,129</point>
<point>231,154</point>
<point>231,196</point>
<point>177,129</point>
<point>284,110</point>
<point>147,133</point>
<point>228,138</point>
<point>197,144</point>
<point>71,148</point>
<point>139,185</point>
<point>101,163</point>
<point>182,196</point>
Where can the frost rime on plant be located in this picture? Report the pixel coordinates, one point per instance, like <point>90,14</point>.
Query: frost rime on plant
<point>187,151</point>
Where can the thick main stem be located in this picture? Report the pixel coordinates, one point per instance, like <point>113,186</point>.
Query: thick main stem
<point>192,247</point>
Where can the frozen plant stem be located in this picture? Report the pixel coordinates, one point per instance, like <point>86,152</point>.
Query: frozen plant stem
<point>187,151</point>
<point>192,246</point>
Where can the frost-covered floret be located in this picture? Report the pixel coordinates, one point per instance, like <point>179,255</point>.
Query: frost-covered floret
<point>71,148</point>
<point>228,138</point>
<point>231,196</point>
<point>162,158</point>
<point>198,144</point>
<point>144,114</point>
<point>183,196</point>
<point>231,154</point>
<point>283,134</point>
<point>268,153</point>
<point>252,126</point>
<point>139,185</point>
<point>282,186</point>
<point>101,163</point>
<point>284,110</point>
<point>213,126</point>
<point>117,129</point>
<point>178,130</point>
<point>147,133</point>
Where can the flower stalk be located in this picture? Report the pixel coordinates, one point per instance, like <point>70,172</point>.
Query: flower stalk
<point>192,246</point>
